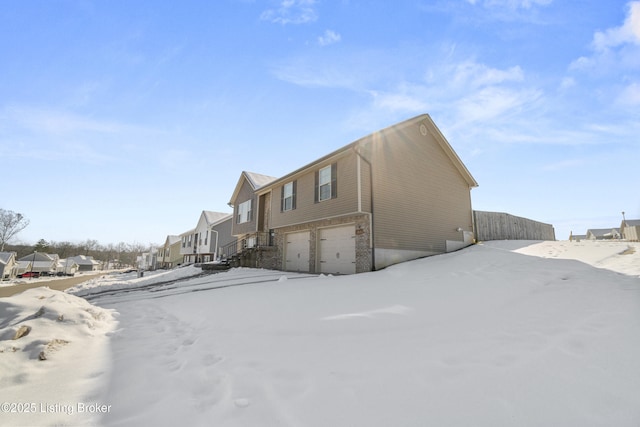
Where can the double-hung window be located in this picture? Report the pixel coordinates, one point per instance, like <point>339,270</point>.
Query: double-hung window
<point>326,183</point>
<point>244,212</point>
<point>288,196</point>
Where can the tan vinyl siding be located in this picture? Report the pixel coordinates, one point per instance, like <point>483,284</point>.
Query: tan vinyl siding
<point>307,209</point>
<point>245,193</point>
<point>420,197</point>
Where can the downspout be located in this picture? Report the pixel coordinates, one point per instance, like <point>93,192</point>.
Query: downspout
<point>215,248</point>
<point>371,216</point>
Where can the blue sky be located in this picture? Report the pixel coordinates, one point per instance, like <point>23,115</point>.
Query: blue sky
<point>123,120</point>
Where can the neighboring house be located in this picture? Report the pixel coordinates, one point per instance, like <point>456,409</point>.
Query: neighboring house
<point>86,263</point>
<point>8,265</point>
<point>148,260</point>
<point>169,254</point>
<point>23,267</point>
<point>45,264</point>
<point>398,194</point>
<point>212,232</point>
<point>603,234</point>
<point>630,230</point>
<point>67,267</point>
<point>188,247</point>
<point>251,215</point>
<point>577,237</point>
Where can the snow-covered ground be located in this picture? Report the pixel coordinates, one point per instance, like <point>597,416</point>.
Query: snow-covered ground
<point>498,334</point>
<point>21,281</point>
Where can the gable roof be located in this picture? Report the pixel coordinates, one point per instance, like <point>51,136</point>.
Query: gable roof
<point>631,222</point>
<point>215,217</point>
<point>186,233</point>
<point>256,181</point>
<point>603,231</point>
<point>38,256</point>
<point>172,240</point>
<point>84,260</point>
<point>5,257</point>
<point>431,127</point>
<point>64,262</point>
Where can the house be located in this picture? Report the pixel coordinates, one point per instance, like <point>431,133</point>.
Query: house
<point>250,229</point>
<point>169,254</point>
<point>45,264</point>
<point>23,267</point>
<point>603,234</point>
<point>630,230</point>
<point>188,247</point>
<point>148,260</point>
<point>67,267</point>
<point>395,195</point>
<point>86,263</point>
<point>8,265</point>
<point>212,232</point>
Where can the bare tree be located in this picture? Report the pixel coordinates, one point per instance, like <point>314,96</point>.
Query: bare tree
<point>11,223</point>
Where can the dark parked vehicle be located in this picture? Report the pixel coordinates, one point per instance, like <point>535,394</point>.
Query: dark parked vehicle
<point>29,274</point>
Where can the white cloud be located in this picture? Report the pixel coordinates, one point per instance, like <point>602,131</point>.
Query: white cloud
<point>615,48</point>
<point>515,4</point>
<point>399,102</point>
<point>492,103</point>
<point>329,37</point>
<point>57,122</point>
<point>567,82</point>
<point>470,74</point>
<point>629,32</point>
<point>466,92</point>
<point>630,95</point>
<point>292,12</point>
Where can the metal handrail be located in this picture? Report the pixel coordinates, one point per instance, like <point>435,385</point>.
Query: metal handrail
<point>250,241</point>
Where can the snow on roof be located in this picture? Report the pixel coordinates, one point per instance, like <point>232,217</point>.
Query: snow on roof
<point>172,239</point>
<point>37,256</point>
<point>258,180</point>
<point>215,217</point>
<point>602,231</point>
<point>6,256</point>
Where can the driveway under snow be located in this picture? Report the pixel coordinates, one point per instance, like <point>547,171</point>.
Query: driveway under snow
<point>485,336</point>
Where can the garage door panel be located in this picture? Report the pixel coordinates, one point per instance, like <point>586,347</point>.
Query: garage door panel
<point>297,252</point>
<point>337,250</point>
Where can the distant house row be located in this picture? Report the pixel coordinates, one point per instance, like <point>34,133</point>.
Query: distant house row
<point>629,230</point>
<point>397,194</point>
<point>43,264</point>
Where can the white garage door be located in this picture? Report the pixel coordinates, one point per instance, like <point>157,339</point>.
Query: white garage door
<point>337,250</point>
<point>297,252</point>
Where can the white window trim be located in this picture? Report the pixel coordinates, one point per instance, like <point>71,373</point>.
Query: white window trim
<point>288,196</point>
<point>244,212</point>
<point>324,184</point>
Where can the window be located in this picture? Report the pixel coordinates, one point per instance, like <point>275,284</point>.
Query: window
<point>326,183</point>
<point>244,212</point>
<point>288,196</point>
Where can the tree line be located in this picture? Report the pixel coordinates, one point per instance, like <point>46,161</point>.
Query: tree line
<point>122,254</point>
